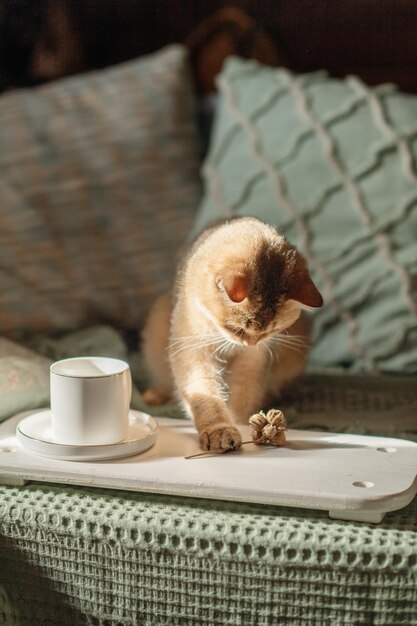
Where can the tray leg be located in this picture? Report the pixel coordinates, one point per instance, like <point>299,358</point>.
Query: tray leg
<point>12,481</point>
<point>372,517</point>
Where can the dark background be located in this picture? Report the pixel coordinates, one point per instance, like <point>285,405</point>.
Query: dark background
<point>44,39</point>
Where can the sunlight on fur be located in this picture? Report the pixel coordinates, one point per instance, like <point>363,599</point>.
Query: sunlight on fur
<point>232,334</point>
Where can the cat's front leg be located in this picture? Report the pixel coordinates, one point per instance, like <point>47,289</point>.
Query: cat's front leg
<point>247,382</point>
<point>201,392</point>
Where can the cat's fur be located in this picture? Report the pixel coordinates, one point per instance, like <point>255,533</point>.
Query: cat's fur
<point>231,335</point>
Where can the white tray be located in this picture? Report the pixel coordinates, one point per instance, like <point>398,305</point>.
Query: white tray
<point>353,477</point>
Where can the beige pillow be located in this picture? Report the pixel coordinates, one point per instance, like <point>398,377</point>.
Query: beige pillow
<point>98,187</point>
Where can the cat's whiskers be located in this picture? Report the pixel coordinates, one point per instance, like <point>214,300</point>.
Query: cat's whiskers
<point>196,347</point>
<point>195,342</point>
<point>270,353</point>
<point>300,338</point>
<point>289,341</point>
<point>224,348</point>
<point>192,338</point>
<point>264,343</point>
<point>234,328</point>
<point>284,335</point>
<point>220,347</point>
<point>289,344</point>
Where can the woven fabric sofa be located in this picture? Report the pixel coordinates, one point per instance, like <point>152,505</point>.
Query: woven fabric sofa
<point>99,188</point>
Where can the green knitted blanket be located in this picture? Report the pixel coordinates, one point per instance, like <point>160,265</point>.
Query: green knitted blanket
<point>83,556</point>
<point>75,556</point>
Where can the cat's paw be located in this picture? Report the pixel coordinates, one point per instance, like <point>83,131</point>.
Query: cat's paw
<point>156,397</point>
<point>221,438</point>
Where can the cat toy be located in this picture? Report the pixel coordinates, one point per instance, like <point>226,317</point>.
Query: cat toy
<point>267,429</point>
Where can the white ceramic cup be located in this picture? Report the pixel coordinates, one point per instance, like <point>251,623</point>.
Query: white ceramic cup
<point>90,400</point>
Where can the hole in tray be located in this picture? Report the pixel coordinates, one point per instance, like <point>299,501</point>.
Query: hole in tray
<point>388,449</point>
<point>364,484</point>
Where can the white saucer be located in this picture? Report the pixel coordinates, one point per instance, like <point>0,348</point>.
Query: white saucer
<point>34,432</point>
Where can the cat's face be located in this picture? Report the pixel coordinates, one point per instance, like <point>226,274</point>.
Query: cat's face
<point>261,299</point>
<point>249,323</point>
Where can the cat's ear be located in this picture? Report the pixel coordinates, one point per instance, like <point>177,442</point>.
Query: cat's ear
<point>306,293</point>
<point>234,286</point>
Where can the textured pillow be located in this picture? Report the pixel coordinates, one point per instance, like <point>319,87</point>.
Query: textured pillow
<point>331,164</point>
<point>98,188</point>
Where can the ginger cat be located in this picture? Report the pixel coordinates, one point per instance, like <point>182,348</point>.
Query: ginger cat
<point>231,335</point>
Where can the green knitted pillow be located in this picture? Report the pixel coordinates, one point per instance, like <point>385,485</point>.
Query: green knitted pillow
<point>331,164</point>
